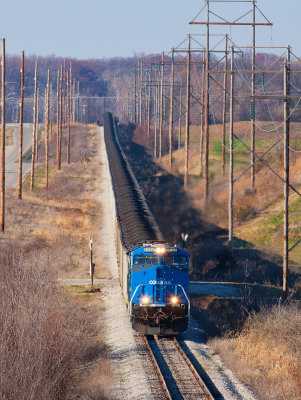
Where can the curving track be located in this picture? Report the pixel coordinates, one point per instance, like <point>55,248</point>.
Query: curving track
<point>179,378</point>
<point>136,222</point>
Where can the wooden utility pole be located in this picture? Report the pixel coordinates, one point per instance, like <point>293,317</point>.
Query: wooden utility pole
<point>149,96</point>
<point>64,93</point>
<point>58,115</point>
<point>33,146</point>
<point>286,142</point>
<point>207,111</point>
<point>224,106</point>
<point>21,129</point>
<point>161,107</point>
<point>140,92</point>
<point>202,123</point>
<point>60,119</point>
<point>253,100</point>
<point>171,108</point>
<point>187,115</point>
<point>37,125</point>
<point>230,205</point>
<point>78,102</point>
<point>73,102</point>
<point>50,112</point>
<point>3,139</point>
<point>180,119</point>
<point>135,95</point>
<point>156,115</point>
<point>47,129</point>
<point>68,103</point>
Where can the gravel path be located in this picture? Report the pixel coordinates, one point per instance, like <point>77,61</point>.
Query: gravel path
<point>131,381</point>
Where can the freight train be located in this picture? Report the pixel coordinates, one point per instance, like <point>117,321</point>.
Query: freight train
<point>153,273</point>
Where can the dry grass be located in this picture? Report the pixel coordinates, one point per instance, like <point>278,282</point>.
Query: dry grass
<point>51,343</point>
<point>45,337</point>
<point>267,353</point>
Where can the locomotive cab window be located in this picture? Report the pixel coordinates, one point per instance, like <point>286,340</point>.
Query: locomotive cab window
<point>178,262</point>
<point>142,262</point>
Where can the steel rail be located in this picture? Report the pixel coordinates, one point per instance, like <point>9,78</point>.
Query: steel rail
<point>193,370</point>
<point>197,376</point>
<point>158,369</point>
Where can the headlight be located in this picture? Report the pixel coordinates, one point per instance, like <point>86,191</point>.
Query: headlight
<point>145,299</point>
<point>160,250</point>
<point>174,300</point>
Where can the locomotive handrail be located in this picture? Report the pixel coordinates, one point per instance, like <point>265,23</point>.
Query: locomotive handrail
<point>140,284</point>
<point>186,298</point>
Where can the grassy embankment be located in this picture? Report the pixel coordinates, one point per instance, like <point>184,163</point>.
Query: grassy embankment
<point>51,343</point>
<point>262,347</point>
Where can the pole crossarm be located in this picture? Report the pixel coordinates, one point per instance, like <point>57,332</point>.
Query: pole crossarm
<point>232,23</point>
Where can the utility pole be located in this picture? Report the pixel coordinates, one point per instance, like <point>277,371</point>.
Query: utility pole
<point>187,115</point>
<point>47,129</point>
<point>37,125</point>
<point>3,139</point>
<point>60,119</point>
<point>253,99</point>
<point>68,103</point>
<point>286,126</point>
<point>135,94</point>
<point>224,106</point>
<point>180,118</point>
<point>171,108</point>
<point>202,122</point>
<point>50,112</point>
<point>230,206</point>
<point>21,130</point>
<point>207,111</point>
<point>140,93</point>
<point>156,115</point>
<point>148,105</point>
<point>78,102</point>
<point>33,146</point>
<point>161,106</point>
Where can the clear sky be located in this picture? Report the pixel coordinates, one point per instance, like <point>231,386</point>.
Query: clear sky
<point>98,28</point>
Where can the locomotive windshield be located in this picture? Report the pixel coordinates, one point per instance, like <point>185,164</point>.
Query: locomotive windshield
<point>142,262</point>
<point>179,262</point>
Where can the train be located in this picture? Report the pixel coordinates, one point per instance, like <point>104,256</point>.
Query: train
<point>154,274</point>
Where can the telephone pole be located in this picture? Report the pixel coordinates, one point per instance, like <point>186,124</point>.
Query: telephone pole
<point>286,142</point>
<point>187,115</point>
<point>68,103</point>
<point>224,106</point>
<point>230,206</point>
<point>253,94</point>
<point>21,130</point>
<point>3,139</point>
<point>33,146</point>
<point>161,107</point>
<point>47,129</point>
<point>171,109</point>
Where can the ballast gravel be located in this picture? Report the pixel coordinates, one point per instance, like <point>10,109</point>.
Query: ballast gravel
<point>133,372</point>
<point>131,381</point>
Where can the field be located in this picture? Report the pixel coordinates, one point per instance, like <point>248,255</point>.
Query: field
<point>58,349</point>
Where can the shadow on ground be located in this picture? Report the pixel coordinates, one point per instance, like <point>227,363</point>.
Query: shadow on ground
<point>211,258</point>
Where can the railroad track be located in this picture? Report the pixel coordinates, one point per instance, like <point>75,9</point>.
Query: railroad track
<point>178,376</point>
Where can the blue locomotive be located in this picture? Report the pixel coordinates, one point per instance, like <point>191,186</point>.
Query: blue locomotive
<point>158,288</point>
<point>153,273</point>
